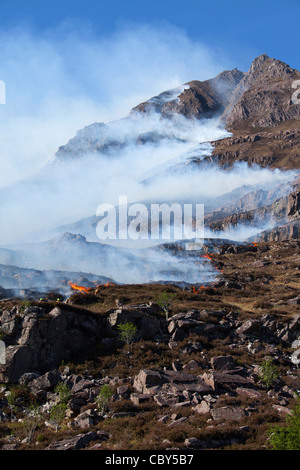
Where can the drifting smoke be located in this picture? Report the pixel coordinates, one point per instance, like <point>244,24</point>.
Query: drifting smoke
<point>72,188</point>
<point>70,82</point>
<point>73,185</point>
<point>60,80</point>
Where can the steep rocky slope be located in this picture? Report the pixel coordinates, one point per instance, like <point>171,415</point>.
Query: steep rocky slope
<point>247,104</point>
<point>257,107</point>
<point>263,97</point>
<point>198,99</point>
<point>278,147</point>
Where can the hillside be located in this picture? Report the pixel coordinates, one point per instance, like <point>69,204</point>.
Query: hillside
<point>178,344</point>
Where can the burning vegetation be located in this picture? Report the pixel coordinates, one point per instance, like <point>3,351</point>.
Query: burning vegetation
<point>87,290</point>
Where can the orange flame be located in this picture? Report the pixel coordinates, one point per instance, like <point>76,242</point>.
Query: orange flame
<point>207,257</point>
<point>104,285</point>
<point>80,288</point>
<point>197,291</point>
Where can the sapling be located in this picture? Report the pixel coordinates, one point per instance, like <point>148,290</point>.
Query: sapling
<point>164,301</point>
<point>57,414</point>
<point>269,373</point>
<point>63,392</point>
<point>127,332</point>
<point>11,401</point>
<point>287,437</point>
<point>32,418</point>
<point>103,398</point>
<point>58,411</point>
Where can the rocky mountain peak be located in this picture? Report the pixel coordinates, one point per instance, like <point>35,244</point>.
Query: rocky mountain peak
<point>265,68</point>
<point>259,63</point>
<point>229,76</point>
<point>263,96</point>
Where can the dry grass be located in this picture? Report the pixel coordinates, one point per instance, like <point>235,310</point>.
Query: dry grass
<point>271,289</point>
<point>283,154</point>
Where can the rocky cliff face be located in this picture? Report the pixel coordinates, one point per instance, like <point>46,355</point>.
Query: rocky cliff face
<point>288,231</point>
<point>38,340</point>
<point>198,99</point>
<point>264,121</point>
<point>293,204</point>
<point>277,208</point>
<point>263,97</point>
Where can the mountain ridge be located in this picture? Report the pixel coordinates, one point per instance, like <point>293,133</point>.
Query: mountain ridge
<point>257,99</point>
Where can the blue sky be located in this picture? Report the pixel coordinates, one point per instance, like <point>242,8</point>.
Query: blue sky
<point>240,30</point>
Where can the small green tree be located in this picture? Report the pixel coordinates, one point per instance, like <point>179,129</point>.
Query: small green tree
<point>58,411</point>
<point>287,437</point>
<point>11,401</point>
<point>164,301</point>
<point>57,415</point>
<point>103,398</point>
<point>269,373</point>
<point>127,332</point>
<point>31,419</point>
<point>63,392</point>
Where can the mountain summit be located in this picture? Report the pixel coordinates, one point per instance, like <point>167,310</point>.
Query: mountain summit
<point>263,96</point>
<point>259,98</point>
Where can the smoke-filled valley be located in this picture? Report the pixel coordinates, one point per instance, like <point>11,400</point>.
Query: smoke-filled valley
<point>162,152</point>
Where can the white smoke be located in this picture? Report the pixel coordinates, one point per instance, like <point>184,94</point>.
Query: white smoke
<point>70,189</point>
<point>60,80</point>
<point>59,83</point>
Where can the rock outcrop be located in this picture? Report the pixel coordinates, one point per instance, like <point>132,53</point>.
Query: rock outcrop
<point>263,97</point>
<point>198,99</point>
<point>277,147</point>
<point>38,341</point>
